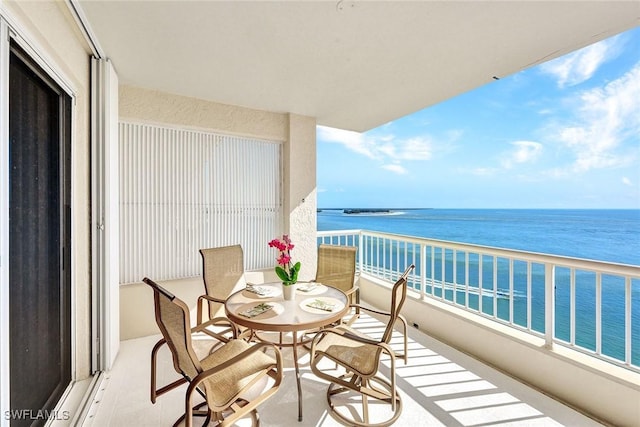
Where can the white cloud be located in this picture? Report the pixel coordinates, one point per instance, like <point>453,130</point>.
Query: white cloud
<point>627,181</point>
<point>579,66</point>
<point>606,118</point>
<point>409,149</point>
<point>354,141</point>
<point>482,171</point>
<point>383,147</point>
<point>395,168</point>
<point>523,152</point>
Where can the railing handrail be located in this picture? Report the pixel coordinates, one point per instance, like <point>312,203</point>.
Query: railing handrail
<point>384,254</point>
<point>539,257</point>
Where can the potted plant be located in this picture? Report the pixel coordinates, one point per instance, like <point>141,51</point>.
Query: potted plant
<point>286,270</point>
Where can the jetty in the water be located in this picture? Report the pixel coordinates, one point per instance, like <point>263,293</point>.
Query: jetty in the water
<point>365,210</point>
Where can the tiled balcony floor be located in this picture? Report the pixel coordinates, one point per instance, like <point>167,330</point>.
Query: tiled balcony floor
<point>439,387</point>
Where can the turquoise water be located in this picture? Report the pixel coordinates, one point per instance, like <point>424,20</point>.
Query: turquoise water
<point>604,235</point>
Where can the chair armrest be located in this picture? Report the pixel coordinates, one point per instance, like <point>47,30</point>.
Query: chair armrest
<point>212,299</point>
<point>217,321</point>
<point>201,300</point>
<point>345,333</point>
<point>351,291</point>
<point>370,310</point>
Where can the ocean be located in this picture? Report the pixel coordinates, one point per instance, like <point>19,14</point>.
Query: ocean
<point>603,235</point>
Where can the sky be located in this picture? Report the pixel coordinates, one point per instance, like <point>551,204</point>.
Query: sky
<point>564,134</point>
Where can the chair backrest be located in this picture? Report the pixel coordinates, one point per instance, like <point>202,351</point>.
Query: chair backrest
<point>336,266</point>
<point>398,296</point>
<point>172,317</point>
<point>222,269</point>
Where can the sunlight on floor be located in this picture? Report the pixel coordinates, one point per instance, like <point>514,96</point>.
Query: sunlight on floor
<point>439,387</point>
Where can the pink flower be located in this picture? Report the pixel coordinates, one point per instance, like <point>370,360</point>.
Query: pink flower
<point>275,243</point>
<point>286,270</point>
<point>284,259</point>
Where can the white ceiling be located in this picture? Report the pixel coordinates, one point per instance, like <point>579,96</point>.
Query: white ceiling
<point>351,64</point>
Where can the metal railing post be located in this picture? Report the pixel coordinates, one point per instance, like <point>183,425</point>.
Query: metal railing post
<point>423,270</point>
<point>360,251</point>
<point>549,304</point>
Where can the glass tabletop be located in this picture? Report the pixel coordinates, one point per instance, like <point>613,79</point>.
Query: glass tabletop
<point>263,307</point>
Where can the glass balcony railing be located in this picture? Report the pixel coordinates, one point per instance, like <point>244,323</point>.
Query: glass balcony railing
<point>590,306</point>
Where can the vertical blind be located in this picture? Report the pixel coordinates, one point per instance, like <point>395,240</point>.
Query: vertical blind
<point>183,190</point>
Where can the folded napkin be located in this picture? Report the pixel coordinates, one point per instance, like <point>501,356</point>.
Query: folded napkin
<point>308,287</point>
<point>257,310</point>
<point>321,305</point>
<point>258,290</point>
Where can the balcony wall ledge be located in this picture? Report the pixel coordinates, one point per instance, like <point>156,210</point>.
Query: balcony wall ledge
<point>137,317</point>
<point>595,387</point>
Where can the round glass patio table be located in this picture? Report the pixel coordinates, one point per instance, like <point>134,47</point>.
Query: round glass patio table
<point>319,306</point>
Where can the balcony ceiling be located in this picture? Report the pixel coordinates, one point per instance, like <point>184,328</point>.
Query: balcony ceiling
<point>351,64</point>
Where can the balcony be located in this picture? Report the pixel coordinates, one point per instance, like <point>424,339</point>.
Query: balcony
<point>478,353</point>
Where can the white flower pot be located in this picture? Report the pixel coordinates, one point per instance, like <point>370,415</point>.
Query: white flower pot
<point>289,292</point>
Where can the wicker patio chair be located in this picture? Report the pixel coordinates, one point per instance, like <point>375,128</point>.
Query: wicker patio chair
<point>222,273</point>
<point>359,357</point>
<point>337,268</point>
<point>229,371</point>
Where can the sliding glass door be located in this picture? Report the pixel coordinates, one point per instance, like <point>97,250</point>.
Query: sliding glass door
<point>39,241</point>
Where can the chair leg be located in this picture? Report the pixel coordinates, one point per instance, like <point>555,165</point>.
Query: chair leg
<point>365,405</point>
<point>155,392</point>
<point>207,419</point>
<point>374,388</point>
<point>255,418</point>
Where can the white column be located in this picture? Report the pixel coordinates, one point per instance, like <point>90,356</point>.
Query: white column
<point>300,192</point>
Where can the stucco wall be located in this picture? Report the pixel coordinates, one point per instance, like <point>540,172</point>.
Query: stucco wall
<point>50,30</point>
<point>152,106</point>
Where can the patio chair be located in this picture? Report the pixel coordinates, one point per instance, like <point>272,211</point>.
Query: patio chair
<point>337,268</point>
<point>223,273</point>
<point>229,371</point>
<point>359,357</point>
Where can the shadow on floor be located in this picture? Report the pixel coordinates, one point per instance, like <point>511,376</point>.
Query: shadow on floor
<point>439,387</point>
